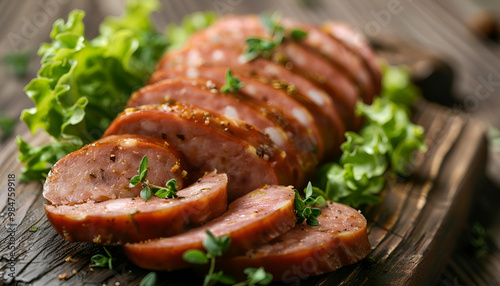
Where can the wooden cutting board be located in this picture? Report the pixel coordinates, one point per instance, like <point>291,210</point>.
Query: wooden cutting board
<point>412,231</point>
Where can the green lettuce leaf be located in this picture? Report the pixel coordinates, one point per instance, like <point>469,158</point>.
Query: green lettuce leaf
<point>178,34</point>
<point>83,84</point>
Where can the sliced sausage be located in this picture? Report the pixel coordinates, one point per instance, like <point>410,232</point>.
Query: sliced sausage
<point>252,220</point>
<point>211,142</point>
<point>335,52</point>
<point>102,170</point>
<point>133,219</point>
<point>232,31</point>
<point>339,239</point>
<point>323,110</point>
<point>359,45</point>
<point>205,93</point>
<point>273,93</point>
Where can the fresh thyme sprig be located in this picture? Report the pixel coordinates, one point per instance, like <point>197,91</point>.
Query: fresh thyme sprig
<point>305,208</point>
<point>149,279</point>
<point>256,277</point>
<point>264,47</point>
<point>100,260</point>
<point>233,84</point>
<point>149,189</point>
<point>215,247</point>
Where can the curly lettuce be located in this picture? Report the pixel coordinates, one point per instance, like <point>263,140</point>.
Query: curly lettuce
<point>83,84</point>
<point>388,139</point>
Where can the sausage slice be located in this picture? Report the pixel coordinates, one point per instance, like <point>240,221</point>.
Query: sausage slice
<point>336,53</point>
<point>339,239</point>
<point>253,219</point>
<point>232,31</point>
<point>102,170</point>
<point>296,110</point>
<point>322,109</point>
<point>133,219</point>
<point>359,45</point>
<point>205,94</point>
<point>209,142</point>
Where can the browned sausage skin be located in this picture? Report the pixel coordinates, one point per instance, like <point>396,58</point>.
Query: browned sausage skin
<point>211,142</point>
<point>251,220</point>
<point>273,96</point>
<point>340,239</point>
<point>359,45</point>
<point>323,110</point>
<point>132,219</point>
<point>102,170</point>
<point>232,31</point>
<point>336,53</point>
<point>206,94</point>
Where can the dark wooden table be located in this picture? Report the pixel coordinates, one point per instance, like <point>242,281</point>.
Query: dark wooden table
<point>436,26</point>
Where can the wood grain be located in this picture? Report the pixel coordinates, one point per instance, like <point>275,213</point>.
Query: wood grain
<point>413,230</point>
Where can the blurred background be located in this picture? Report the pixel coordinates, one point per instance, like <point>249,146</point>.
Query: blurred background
<point>451,46</point>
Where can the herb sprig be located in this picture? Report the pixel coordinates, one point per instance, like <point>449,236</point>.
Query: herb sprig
<point>256,276</point>
<point>233,84</point>
<point>149,189</point>
<point>264,47</point>
<point>215,247</point>
<point>304,208</point>
<point>101,260</point>
<point>149,279</point>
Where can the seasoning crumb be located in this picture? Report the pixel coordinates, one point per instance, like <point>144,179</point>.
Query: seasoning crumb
<point>63,276</point>
<point>74,271</point>
<point>69,259</point>
<point>91,269</point>
<point>117,283</point>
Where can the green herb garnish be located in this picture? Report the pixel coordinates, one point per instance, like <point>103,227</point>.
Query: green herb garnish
<point>148,189</point>
<point>178,34</point>
<point>494,138</point>
<point>18,62</point>
<point>256,276</point>
<point>479,239</point>
<point>148,280</point>
<point>304,207</point>
<point>7,125</point>
<point>215,247</point>
<point>298,34</point>
<point>264,47</point>
<point>33,229</point>
<point>101,260</point>
<point>84,83</point>
<point>233,84</point>
<point>258,47</point>
<point>387,140</point>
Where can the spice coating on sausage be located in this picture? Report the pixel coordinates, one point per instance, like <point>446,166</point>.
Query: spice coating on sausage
<point>232,31</point>
<point>296,110</point>
<point>206,94</point>
<point>339,239</point>
<point>337,53</point>
<point>357,42</point>
<point>252,220</point>
<point>322,107</point>
<point>211,142</point>
<point>102,170</point>
<point>133,219</point>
